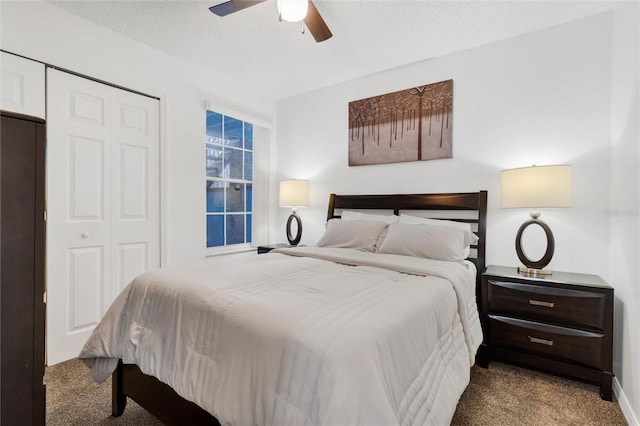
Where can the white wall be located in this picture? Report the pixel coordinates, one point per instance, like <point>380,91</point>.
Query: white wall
<point>625,203</point>
<point>46,33</point>
<point>558,96</point>
<point>543,98</point>
<point>568,94</point>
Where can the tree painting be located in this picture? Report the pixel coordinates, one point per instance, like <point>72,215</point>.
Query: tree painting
<point>408,125</point>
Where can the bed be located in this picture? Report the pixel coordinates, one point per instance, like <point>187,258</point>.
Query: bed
<point>310,335</point>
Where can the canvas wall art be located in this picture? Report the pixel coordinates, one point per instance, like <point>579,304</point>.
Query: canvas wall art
<point>408,125</point>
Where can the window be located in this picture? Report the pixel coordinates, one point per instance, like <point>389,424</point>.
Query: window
<point>229,180</point>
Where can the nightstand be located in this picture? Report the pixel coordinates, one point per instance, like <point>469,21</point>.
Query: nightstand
<point>267,249</point>
<point>561,323</point>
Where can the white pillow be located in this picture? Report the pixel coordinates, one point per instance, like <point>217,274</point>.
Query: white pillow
<point>355,234</point>
<point>429,241</point>
<point>405,218</point>
<point>349,215</point>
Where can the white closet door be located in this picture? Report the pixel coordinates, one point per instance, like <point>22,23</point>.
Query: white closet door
<point>102,202</point>
<point>135,226</point>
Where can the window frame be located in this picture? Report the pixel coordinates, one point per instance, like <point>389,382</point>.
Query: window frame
<point>256,122</point>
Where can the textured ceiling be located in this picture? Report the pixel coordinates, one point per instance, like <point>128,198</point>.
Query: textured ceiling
<point>275,59</point>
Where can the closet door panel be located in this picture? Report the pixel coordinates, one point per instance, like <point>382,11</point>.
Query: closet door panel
<point>136,206</point>
<point>85,280</point>
<point>22,89</point>
<point>79,214</point>
<point>85,179</point>
<point>132,261</point>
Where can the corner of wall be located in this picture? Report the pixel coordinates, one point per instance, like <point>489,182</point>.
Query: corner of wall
<point>625,406</point>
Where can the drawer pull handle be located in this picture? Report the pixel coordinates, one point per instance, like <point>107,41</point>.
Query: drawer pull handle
<point>540,341</point>
<point>541,303</point>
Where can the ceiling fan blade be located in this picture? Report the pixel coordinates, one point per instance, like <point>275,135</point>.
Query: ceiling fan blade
<point>316,25</point>
<point>232,6</point>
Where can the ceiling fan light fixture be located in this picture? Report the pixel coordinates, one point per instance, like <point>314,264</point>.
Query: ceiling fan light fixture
<point>293,10</point>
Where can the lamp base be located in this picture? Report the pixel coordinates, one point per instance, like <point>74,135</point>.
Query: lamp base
<point>533,272</point>
<point>294,240</point>
<point>536,265</point>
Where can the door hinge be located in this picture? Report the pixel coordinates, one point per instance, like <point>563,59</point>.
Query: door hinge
<point>45,215</point>
<point>44,297</point>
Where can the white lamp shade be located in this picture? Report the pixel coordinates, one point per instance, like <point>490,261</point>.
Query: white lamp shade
<point>294,193</point>
<point>293,10</point>
<point>536,187</point>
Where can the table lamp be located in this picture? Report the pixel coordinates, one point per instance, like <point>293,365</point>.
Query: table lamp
<point>294,193</point>
<point>536,187</point>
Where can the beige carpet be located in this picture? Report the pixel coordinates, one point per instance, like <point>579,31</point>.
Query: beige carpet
<point>508,395</point>
<point>500,395</point>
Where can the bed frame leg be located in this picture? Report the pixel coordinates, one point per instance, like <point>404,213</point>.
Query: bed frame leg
<point>482,357</point>
<point>118,398</point>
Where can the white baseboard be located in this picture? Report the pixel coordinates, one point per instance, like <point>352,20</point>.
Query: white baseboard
<point>625,407</point>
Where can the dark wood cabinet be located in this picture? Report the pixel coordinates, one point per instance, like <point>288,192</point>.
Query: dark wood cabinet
<point>22,261</point>
<point>561,323</point>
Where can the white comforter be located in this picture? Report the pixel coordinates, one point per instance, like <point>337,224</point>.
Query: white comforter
<point>301,336</point>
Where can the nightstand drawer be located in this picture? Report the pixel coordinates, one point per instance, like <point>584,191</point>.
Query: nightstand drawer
<point>579,346</point>
<point>557,305</point>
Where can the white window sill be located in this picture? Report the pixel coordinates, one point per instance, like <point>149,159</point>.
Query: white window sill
<point>219,251</point>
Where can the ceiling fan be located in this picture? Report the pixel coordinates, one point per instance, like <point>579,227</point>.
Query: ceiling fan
<point>302,10</point>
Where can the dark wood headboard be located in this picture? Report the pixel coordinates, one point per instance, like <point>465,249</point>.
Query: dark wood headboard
<point>436,203</point>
